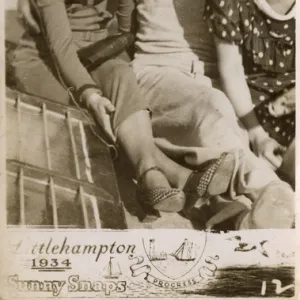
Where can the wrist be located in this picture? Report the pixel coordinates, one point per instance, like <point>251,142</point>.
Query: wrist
<point>250,120</point>
<point>85,93</point>
<point>257,133</point>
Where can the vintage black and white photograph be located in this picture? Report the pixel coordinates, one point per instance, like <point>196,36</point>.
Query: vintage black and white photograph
<point>172,121</point>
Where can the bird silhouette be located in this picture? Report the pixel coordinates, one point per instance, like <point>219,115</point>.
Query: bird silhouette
<point>247,247</point>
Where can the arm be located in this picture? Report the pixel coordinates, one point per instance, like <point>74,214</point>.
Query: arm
<point>235,86</point>
<point>56,29</point>
<point>234,83</point>
<point>57,32</point>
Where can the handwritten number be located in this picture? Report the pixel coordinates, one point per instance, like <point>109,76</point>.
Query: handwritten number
<point>263,288</point>
<point>279,289</point>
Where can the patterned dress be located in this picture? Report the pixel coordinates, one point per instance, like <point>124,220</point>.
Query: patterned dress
<point>268,50</point>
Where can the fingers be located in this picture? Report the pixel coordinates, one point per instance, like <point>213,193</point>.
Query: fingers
<point>102,109</point>
<point>104,120</point>
<point>280,150</point>
<point>96,99</point>
<point>276,161</point>
<point>103,102</point>
<point>108,105</point>
<point>271,151</point>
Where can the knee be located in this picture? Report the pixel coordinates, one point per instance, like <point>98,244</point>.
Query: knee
<point>218,98</point>
<point>213,101</point>
<point>220,102</point>
<point>218,95</point>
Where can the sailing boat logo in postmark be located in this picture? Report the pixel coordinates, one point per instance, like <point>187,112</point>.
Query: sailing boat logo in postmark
<point>175,262</point>
<point>112,270</point>
<point>174,258</point>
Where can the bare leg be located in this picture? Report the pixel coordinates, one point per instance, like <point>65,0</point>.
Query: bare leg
<point>189,114</point>
<point>135,136</point>
<point>176,173</point>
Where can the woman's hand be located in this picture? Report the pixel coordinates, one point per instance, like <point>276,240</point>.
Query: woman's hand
<point>26,16</point>
<point>102,109</point>
<point>267,148</point>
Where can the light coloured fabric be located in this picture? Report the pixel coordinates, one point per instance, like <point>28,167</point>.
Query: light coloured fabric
<point>172,33</point>
<point>187,112</point>
<point>195,122</point>
<point>190,114</point>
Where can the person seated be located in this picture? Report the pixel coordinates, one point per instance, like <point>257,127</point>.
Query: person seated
<point>48,50</point>
<point>255,42</point>
<point>174,63</point>
<point>188,113</point>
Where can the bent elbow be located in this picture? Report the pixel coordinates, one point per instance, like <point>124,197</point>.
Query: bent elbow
<point>63,49</point>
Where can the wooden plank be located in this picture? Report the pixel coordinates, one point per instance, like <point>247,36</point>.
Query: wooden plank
<point>87,161</point>
<point>51,105</point>
<point>97,189</point>
<point>83,206</point>
<point>44,109</point>
<point>22,197</point>
<point>53,202</point>
<point>73,145</point>
<point>19,120</point>
<point>42,176</point>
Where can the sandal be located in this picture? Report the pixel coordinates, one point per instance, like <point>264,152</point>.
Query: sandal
<point>165,199</point>
<point>210,179</point>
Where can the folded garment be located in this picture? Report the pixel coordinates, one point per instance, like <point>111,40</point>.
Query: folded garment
<point>94,55</point>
